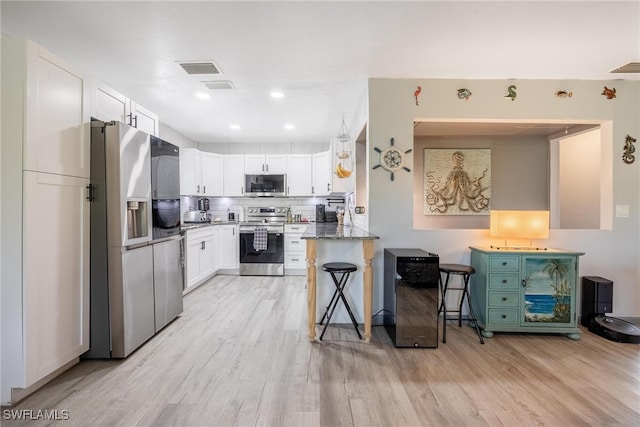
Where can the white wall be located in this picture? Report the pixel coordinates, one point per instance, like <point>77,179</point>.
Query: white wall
<point>174,137</point>
<point>613,254</point>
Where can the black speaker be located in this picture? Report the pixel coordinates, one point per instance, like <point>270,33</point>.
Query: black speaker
<point>597,298</point>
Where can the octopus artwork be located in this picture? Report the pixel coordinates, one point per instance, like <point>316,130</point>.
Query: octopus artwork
<point>462,191</point>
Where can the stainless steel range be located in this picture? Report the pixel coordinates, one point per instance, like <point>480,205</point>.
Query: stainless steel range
<point>256,260</point>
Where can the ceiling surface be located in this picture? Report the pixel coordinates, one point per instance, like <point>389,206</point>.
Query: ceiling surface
<point>318,54</point>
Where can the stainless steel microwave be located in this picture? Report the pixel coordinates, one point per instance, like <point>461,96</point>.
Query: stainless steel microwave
<point>266,185</point>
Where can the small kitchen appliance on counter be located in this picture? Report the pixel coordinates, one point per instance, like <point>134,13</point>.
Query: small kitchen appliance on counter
<point>320,213</point>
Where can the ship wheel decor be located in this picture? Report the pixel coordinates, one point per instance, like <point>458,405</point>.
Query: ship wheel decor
<point>392,159</point>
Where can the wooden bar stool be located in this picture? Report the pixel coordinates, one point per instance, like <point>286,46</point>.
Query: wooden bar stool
<point>345,269</point>
<point>465,271</point>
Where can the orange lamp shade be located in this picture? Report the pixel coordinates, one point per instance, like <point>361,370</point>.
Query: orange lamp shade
<point>519,224</point>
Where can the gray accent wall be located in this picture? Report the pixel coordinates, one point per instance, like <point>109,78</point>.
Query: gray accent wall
<point>610,253</point>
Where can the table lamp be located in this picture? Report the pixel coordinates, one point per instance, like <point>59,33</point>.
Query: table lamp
<point>519,225</point>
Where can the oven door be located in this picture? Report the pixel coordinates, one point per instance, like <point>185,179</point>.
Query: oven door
<point>266,262</point>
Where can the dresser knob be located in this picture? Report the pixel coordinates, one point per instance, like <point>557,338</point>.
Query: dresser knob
<point>504,316</point>
<point>504,262</point>
<point>504,298</point>
<point>504,280</point>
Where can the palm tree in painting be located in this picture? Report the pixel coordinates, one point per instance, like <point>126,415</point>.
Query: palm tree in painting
<point>558,269</point>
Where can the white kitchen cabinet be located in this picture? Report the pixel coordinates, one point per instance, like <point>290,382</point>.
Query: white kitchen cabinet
<point>45,171</point>
<point>294,249</point>
<point>299,175</point>
<point>56,101</point>
<point>233,180</point>
<point>56,272</point>
<point>265,163</point>
<point>200,173</point>
<point>211,167</point>
<point>199,256</point>
<point>109,104</point>
<point>228,247</point>
<point>321,174</point>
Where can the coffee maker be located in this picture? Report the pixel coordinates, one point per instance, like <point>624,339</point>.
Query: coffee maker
<point>320,213</point>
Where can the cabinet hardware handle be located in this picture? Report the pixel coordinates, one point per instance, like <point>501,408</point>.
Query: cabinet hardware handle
<point>198,188</point>
<point>130,116</point>
<point>504,316</point>
<point>295,259</point>
<point>504,298</point>
<point>90,192</point>
<point>204,189</point>
<point>242,190</point>
<point>267,166</point>
<point>524,283</point>
<point>504,280</point>
<point>313,189</point>
<point>263,167</point>
<point>202,246</point>
<point>504,262</point>
<point>328,189</point>
<point>136,119</point>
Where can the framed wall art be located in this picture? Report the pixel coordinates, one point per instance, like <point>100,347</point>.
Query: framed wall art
<point>457,181</point>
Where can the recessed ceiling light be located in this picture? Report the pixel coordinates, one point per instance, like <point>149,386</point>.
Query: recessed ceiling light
<point>202,95</point>
<point>289,126</point>
<point>234,127</point>
<point>277,94</point>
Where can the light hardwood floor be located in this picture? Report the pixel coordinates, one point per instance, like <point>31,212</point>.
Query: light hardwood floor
<point>239,356</point>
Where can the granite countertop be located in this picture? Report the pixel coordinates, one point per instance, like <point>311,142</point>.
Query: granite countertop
<point>193,225</point>
<point>333,231</point>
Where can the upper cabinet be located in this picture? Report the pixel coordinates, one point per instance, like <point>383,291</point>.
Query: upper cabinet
<point>109,104</point>
<point>200,173</point>
<point>211,166</point>
<point>299,176</point>
<point>50,98</point>
<point>233,180</point>
<point>322,174</point>
<point>265,163</point>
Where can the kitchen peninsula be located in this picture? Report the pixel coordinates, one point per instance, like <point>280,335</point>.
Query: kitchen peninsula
<point>339,243</point>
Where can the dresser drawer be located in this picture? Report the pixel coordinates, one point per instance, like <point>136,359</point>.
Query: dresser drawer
<point>503,316</point>
<point>504,281</point>
<point>503,299</point>
<point>504,263</point>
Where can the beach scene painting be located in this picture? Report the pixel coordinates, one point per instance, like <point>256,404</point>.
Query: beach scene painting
<point>548,290</point>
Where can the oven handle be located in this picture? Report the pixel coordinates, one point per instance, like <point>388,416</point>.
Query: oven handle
<point>270,230</point>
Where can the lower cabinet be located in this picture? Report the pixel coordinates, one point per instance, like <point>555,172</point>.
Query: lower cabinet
<point>525,291</point>
<point>200,256</point>
<point>294,249</point>
<point>54,325</point>
<point>228,247</point>
<point>208,250</point>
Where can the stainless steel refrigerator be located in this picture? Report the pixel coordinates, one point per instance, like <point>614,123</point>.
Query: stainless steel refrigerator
<point>123,303</point>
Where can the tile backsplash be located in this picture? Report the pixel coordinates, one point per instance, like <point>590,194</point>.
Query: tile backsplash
<point>220,207</point>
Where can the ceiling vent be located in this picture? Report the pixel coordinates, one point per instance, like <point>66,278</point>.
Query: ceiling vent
<point>630,68</point>
<point>200,67</point>
<point>219,85</point>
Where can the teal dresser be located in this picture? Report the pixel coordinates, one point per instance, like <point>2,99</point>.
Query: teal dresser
<point>525,291</point>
